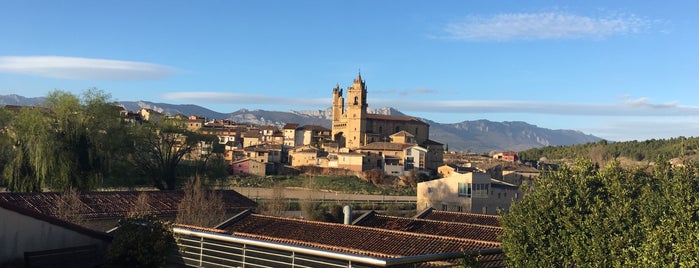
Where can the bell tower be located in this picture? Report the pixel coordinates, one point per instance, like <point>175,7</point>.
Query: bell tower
<point>356,114</point>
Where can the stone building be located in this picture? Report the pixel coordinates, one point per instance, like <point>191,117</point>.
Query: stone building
<point>354,128</point>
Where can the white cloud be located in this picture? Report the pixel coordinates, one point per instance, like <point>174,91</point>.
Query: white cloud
<point>535,26</point>
<point>83,68</point>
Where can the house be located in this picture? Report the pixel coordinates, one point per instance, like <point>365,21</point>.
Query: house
<point>248,166</point>
<point>289,133</point>
<point>250,239</point>
<point>311,135</point>
<point>102,210</point>
<point>463,217</point>
<point>305,155</point>
<point>150,114</point>
<point>509,156</point>
<point>394,158</point>
<point>24,230</point>
<point>474,192</point>
<point>431,227</point>
<point>346,160</point>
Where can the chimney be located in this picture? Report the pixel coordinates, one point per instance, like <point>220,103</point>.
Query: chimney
<point>347,210</point>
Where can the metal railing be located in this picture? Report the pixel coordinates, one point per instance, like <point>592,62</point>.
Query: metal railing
<point>205,249</point>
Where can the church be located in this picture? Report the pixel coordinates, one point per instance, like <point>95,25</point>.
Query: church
<point>390,139</point>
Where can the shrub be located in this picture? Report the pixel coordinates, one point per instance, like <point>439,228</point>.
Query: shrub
<point>141,241</point>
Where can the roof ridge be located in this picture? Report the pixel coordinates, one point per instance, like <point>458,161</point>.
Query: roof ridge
<point>442,222</point>
<point>379,229</point>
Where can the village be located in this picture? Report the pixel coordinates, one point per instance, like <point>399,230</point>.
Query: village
<point>459,195</point>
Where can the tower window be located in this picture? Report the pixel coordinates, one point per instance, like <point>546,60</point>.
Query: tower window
<point>356,100</point>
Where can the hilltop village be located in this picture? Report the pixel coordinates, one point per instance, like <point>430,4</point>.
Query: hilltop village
<point>457,203</point>
<point>358,141</point>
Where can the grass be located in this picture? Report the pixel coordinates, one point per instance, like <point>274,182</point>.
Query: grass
<point>343,184</point>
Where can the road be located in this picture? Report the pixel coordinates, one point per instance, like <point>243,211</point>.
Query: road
<point>319,195</point>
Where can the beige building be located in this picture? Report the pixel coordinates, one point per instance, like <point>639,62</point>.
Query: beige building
<point>305,155</point>
<point>467,191</point>
<point>354,128</point>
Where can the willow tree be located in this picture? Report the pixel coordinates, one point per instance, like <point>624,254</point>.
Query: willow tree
<point>66,143</point>
<point>32,160</point>
<point>90,137</point>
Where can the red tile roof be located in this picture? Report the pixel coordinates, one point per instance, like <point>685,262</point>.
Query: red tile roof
<point>116,204</point>
<point>348,238</point>
<point>386,146</point>
<point>463,217</point>
<point>432,227</point>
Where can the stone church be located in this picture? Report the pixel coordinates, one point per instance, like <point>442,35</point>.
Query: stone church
<point>357,130</point>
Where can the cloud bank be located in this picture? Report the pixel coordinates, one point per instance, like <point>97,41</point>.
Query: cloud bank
<point>539,26</point>
<point>83,68</point>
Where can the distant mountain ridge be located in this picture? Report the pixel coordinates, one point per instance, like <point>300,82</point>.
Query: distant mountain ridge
<point>475,136</point>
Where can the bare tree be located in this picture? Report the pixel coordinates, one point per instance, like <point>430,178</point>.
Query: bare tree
<point>277,204</point>
<point>69,207</point>
<point>141,207</point>
<point>200,206</point>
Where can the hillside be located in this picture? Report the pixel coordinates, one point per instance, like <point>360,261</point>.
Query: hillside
<point>475,136</point>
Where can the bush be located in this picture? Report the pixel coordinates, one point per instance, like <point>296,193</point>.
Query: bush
<point>141,241</point>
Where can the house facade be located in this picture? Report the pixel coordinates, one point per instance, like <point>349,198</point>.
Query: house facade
<point>473,192</point>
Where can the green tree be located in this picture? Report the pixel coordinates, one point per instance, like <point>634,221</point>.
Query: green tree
<point>141,242</point>
<point>584,216</point>
<point>31,159</point>
<point>159,149</point>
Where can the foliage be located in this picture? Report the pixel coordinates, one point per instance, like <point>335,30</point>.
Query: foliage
<point>141,242</point>
<point>581,215</point>
<point>200,206</point>
<point>69,207</point>
<point>604,151</point>
<point>158,150</point>
<point>67,143</point>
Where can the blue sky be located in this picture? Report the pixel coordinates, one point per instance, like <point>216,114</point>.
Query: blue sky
<point>620,70</point>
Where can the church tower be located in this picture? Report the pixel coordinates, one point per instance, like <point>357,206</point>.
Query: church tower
<point>356,114</point>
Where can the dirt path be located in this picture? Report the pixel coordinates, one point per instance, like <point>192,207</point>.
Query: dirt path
<point>300,194</point>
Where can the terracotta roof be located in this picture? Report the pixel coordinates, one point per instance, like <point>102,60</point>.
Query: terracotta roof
<point>348,238</point>
<point>423,226</point>
<point>403,133</point>
<point>290,126</point>
<point>463,217</point>
<point>394,118</point>
<point>55,221</point>
<point>386,146</point>
<point>116,204</point>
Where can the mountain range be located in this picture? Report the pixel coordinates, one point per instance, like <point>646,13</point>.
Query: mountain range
<point>474,136</point>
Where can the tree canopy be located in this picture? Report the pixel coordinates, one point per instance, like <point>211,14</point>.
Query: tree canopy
<point>613,217</point>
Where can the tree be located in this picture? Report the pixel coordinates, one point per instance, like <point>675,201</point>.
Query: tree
<point>141,242</point>
<point>31,161</point>
<point>66,143</point>
<point>158,150</point>
<point>612,217</point>
<point>200,206</point>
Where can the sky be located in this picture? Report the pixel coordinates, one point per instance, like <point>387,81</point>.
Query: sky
<point>619,70</point>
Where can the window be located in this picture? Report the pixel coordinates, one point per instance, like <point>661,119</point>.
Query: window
<point>445,207</point>
<point>430,189</point>
<point>464,189</point>
<point>480,190</point>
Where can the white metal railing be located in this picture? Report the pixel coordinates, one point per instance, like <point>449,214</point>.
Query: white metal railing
<point>206,249</point>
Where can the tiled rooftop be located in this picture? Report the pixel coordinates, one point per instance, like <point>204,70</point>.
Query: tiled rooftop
<point>116,204</point>
<point>463,217</point>
<point>432,227</point>
<point>348,238</point>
